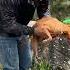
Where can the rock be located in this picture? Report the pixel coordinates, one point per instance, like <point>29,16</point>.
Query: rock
<point>59,53</point>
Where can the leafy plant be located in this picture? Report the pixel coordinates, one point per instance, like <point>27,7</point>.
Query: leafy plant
<point>41,65</point>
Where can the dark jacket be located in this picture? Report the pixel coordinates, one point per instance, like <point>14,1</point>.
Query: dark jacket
<point>14,14</point>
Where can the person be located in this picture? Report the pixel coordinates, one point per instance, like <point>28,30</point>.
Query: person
<point>14,17</point>
<point>43,8</point>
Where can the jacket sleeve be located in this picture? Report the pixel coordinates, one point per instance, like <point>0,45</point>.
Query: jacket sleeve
<point>9,24</point>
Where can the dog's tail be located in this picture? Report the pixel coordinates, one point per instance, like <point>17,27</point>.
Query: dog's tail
<point>68,25</point>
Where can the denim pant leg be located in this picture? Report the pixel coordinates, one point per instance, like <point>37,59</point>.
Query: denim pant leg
<point>8,54</point>
<point>25,55</point>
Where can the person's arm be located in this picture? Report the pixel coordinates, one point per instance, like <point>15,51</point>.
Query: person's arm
<point>11,26</point>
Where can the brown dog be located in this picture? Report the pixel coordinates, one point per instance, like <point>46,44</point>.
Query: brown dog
<point>50,27</point>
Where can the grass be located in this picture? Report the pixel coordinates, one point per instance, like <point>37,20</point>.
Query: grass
<point>41,65</point>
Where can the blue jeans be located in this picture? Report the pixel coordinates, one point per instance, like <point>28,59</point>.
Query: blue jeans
<point>25,55</point>
<point>8,54</point>
<point>13,58</point>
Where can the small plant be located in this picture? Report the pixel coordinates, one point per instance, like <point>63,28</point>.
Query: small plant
<point>41,65</point>
<point>66,21</point>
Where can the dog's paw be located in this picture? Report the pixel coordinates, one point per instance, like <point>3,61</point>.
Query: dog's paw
<point>46,40</point>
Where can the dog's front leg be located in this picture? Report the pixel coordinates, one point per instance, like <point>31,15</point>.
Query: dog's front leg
<point>34,43</point>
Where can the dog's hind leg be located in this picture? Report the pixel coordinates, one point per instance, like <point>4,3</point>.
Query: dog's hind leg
<point>49,36</point>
